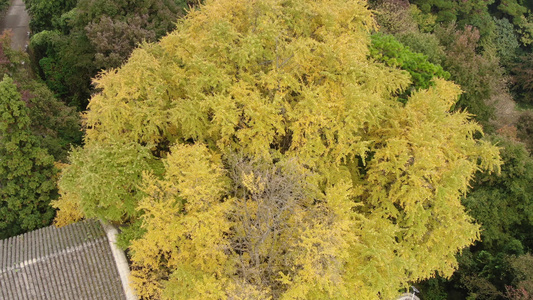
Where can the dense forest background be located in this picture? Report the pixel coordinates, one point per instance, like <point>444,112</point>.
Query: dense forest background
<point>484,46</point>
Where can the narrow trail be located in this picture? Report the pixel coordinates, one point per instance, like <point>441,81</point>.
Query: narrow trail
<point>17,20</point>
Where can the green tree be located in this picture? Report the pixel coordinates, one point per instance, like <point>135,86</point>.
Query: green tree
<point>55,125</point>
<point>426,43</point>
<point>46,15</point>
<point>518,12</point>
<point>478,74</point>
<point>525,129</point>
<point>94,35</point>
<point>291,170</point>
<point>467,12</point>
<point>503,203</point>
<point>26,170</point>
<point>505,41</point>
<point>522,287</point>
<point>386,49</point>
<point>521,74</point>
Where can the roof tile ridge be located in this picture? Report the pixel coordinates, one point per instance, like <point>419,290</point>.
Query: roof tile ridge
<point>120,260</point>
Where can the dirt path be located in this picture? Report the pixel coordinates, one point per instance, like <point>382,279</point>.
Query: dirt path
<point>17,20</point>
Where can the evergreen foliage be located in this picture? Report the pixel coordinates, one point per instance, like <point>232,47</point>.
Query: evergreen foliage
<point>503,203</point>
<point>518,12</point>
<point>46,15</point>
<point>480,76</point>
<point>55,125</point>
<point>522,78</point>
<point>425,43</point>
<point>38,130</point>
<point>26,170</point>
<point>4,4</point>
<point>525,129</point>
<point>506,41</point>
<point>82,37</point>
<point>386,49</point>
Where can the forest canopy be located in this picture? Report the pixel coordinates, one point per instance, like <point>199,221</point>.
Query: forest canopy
<point>262,153</point>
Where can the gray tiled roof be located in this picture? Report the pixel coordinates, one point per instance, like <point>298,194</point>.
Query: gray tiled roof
<point>72,262</point>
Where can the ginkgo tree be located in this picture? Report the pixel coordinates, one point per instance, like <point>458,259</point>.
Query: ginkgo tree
<point>267,157</point>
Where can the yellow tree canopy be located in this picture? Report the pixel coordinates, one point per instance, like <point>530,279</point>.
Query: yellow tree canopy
<point>287,167</point>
